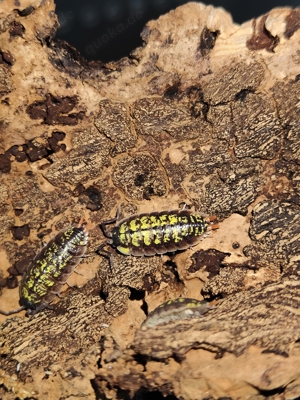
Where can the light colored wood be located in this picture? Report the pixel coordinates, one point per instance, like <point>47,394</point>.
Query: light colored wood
<point>205,113</point>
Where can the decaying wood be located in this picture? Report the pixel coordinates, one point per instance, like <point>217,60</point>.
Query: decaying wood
<point>206,113</point>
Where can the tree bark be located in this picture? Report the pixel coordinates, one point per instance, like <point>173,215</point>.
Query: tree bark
<point>205,113</point>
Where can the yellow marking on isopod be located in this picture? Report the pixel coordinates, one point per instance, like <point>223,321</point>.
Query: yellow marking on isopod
<point>163,219</point>
<point>52,249</point>
<point>197,217</point>
<point>46,280</point>
<point>25,293</point>
<point>134,225</point>
<point>145,223</point>
<point>147,235</point>
<point>183,219</point>
<point>68,233</point>
<point>176,235</point>
<point>136,239</point>
<point>185,230</point>
<point>124,238</point>
<point>30,282</point>
<point>167,235</point>
<point>124,250</point>
<point>31,297</point>
<point>51,268</point>
<point>198,231</point>
<point>40,289</point>
<point>173,219</point>
<point>64,262</point>
<point>123,228</point>
<point>158,238</point>
<point>193,304</point>
<point>155,222</point>
<point>56,274</point>
<point>37,270</point>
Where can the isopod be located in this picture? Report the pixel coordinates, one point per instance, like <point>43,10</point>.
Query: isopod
<point>50,269</point>
<point>156,233</point>
<point>172,310</point>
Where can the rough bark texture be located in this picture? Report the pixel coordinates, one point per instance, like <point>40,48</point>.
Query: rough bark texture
<point>206,113</point>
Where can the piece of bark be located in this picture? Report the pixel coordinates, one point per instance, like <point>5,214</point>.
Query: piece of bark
<point>204,113</point>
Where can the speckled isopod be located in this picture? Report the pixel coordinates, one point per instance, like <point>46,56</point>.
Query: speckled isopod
<point>50,269</point>
<point>177,309</point>
<point>156,233</point>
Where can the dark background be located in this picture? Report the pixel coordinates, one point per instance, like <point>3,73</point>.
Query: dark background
<point>107,30</point>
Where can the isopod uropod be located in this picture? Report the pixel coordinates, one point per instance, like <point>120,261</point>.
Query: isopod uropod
<point>156,233</point>
<point>50,269</point>
<point>181,308</point>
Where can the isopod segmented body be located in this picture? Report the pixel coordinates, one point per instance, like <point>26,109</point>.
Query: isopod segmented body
<point>157,232</point>
<point>172,310</point>
<point>50,269</point>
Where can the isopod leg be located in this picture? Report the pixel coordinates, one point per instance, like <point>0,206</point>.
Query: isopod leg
<point>42,306</point>
<point>106,254</point>
<point>109,221</point>
<point>183,207</point>
<point>16,310</point>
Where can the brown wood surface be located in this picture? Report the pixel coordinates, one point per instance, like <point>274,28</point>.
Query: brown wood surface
<point>205,113</point>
